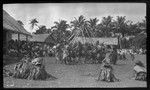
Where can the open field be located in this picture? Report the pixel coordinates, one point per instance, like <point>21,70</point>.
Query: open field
<point>80,76</point>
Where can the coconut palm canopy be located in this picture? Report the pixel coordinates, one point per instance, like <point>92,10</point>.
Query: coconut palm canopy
<point>11,24</point>
<point>82,28</point>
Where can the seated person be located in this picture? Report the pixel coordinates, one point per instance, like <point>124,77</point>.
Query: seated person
<point>139,71</point>
<point>21,69</point>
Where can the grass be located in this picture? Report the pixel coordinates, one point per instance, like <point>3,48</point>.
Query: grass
<point>80,76</point>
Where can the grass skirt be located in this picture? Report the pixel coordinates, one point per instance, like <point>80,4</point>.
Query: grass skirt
<point>107,75</point>
<point>31,72</point>
<point>141,76</point>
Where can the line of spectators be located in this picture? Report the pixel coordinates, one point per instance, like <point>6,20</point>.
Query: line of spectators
<point>84,53</point>
<point>21,48</point>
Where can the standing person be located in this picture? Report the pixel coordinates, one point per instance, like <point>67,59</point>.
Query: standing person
<point>65,54</point>
<point>132,53</point>
<point>100,55</point>
<point>114,56</point>
<point>58,52</point>
<point>84,53</point>
<point>30,50</point>
<point>78,51</point>
<point>132,56</point>
<point>94,54</point>
<point>107,72</point>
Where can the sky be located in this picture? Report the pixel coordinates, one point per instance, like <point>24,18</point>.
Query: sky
<point>48,13</point>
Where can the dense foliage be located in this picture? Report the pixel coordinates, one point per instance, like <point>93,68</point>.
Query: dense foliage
<point>107,27</point>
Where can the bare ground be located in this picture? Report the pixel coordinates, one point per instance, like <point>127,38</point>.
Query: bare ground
<point>80,76</point>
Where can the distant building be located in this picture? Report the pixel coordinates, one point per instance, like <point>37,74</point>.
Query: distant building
<point>41,38</point>
<point>106,41</point>
<point>38,37</point>
<point>11,26</point>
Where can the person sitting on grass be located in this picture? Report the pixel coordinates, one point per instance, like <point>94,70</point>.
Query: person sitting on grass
<point>38,71</point>
<point>31,69</point>
<point>139,71</point>
<point>106,73</point>
<point>21,68</point>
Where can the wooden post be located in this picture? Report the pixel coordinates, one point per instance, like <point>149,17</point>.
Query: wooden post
<point>18,43</point>
<point>18,37</point>
<point>6,42</point>
<point>26,37</point>
<point>120,42</point>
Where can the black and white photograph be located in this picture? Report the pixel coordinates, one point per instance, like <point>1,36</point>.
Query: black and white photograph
<point>74,45</point>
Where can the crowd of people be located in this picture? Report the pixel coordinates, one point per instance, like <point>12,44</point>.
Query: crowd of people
<point>34,49</point>
<point>82,53</point>
<point>99,53</point>
<point>73,53</point>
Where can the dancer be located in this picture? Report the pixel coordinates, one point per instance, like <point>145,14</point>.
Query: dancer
<point>106,73</point>
<point>139,71</point>
<point>114,56</point>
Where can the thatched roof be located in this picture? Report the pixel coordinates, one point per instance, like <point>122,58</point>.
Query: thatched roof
<point>107,41</point>
<point>39,37</point>
<point>9,23</point>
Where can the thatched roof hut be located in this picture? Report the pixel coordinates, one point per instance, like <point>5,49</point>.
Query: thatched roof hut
<point>106,41</point>
<point>9,23</point>
<point>42,38</point>
<point>39,37</point>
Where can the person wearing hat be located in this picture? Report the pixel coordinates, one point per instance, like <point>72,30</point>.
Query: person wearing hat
<point>139,71</point>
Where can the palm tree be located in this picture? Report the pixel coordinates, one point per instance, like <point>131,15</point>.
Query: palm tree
<point>78,24</point>
<point>33,23</point>
<point>93,25</point>
<point>83,28</point>
<point>106,21</point>
<point>134,29</point>
<point>121,25</point>
<point>93,22</point>
<point>60,30</point>
<point>106,25</point>
<point>61,25</point>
